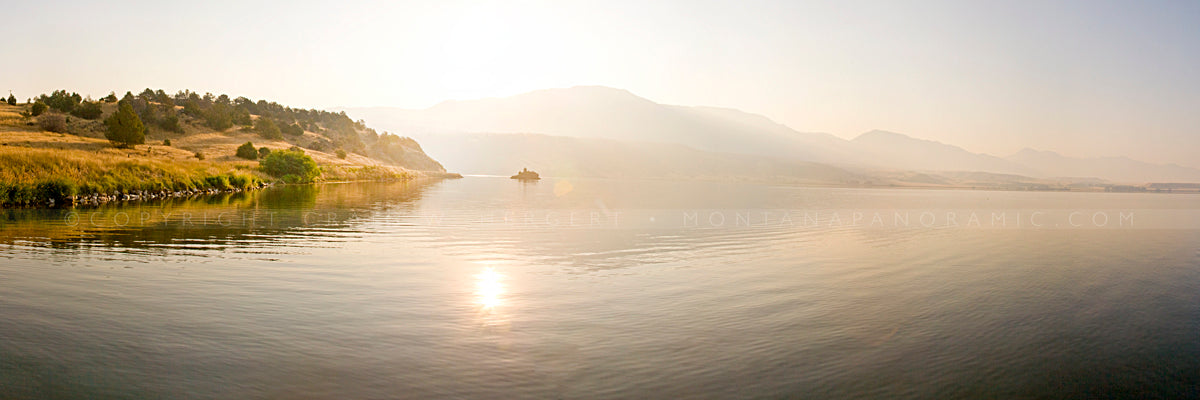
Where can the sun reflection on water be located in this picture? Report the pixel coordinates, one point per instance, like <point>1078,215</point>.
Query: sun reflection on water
<point>489,290</point>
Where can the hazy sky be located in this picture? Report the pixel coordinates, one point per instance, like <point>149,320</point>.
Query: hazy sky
<point>1083,78</point>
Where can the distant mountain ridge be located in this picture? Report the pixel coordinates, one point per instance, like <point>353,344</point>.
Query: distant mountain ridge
<point>560,156</point>
<point>606,113</point>
<point>1122,169</point>
<point>597,112</point>
<point>895,150</point>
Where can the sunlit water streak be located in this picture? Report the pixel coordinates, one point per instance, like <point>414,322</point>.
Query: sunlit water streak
<point>408,290</point>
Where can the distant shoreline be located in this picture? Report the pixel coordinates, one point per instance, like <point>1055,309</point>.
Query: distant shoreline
<point>862,186</point>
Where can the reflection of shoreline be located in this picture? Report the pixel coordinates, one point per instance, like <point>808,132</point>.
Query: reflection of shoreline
<point>227,219</point>
<point>229,216</point>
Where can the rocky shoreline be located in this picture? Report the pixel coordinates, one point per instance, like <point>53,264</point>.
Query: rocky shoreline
<point>96,199</point>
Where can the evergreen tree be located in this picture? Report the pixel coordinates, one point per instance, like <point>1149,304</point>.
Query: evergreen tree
<point>37,108</point>
<point>12,100</point>
<point>292,130</point>
<point>241,116</point>
<point>87,110</point>
<point>267,129</point>
<point>219,117</point>
<point>170,121</point>
<point>125,129</point>
<point>62,100</point>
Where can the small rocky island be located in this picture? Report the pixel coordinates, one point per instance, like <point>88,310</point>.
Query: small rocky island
<point>526,174</point>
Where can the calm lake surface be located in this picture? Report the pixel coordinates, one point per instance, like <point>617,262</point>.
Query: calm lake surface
<point>490,288</point>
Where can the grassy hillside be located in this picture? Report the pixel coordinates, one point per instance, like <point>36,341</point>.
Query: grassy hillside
<point>186,148</point>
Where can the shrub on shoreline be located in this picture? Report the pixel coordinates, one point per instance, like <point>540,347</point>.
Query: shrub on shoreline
<point>58,189</point>
<point>291,166</point>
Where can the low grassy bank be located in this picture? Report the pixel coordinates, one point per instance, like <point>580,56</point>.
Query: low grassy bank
<point>38,176</point>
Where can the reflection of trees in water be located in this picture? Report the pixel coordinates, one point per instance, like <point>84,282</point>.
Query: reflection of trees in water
<point>227,219</point>
<point>289,197</point>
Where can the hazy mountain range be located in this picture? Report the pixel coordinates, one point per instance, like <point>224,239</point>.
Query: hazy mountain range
<point>600,131</point>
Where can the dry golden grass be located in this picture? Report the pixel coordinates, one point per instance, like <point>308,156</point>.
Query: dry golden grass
<point>37,174</point>
<point>10,115</point>
<point>223,145</point>
<point>36,165</point>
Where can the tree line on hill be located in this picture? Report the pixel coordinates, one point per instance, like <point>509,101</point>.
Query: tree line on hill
<point>135,116</point>
<point>156,108</point>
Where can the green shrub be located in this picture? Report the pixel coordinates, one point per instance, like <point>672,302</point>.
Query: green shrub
<point>217,182</point>
<point>241,116</point>
<point>263,152</point>
<point>219,117</point>
<point>292,130</point>
<point>37,108</point>
<point>198,155</point>
<point>247,151</point>
<point>12,100</point>
<point>56,188</point>
<point>341,154</point>
<point>166,142</point>
<point>241,181</point>
<point>237,181</point>
<point>291,166</point>
<point>20,194</point>
<point>170,122</point>
<point>267,129</point>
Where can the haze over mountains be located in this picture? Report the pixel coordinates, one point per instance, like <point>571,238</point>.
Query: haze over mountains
<point>601,131</point>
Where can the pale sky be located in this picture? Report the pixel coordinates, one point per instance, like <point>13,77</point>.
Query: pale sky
<point>1084,78</point>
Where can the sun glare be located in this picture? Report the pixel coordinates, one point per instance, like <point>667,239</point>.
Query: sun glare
<point>496,51</point>
<point>488,288</point>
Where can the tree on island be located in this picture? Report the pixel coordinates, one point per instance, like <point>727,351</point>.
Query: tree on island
<point>124,128</point>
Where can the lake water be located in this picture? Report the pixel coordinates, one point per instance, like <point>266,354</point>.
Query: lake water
<point>490,288</point>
